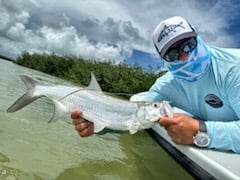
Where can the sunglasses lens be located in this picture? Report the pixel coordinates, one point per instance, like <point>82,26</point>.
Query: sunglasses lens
<point>187,46</point>
<point>171,55</point>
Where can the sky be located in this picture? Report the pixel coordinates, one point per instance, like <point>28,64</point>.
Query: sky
<point>109,30</point>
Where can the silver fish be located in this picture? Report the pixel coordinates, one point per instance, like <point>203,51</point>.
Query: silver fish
<point>103,110</point>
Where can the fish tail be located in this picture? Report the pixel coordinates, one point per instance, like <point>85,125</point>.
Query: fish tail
<point>28,97</point>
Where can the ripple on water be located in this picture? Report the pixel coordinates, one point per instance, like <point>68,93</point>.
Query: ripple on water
<point>9,173</point>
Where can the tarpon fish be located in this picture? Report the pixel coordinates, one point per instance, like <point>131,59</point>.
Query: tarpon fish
<point>103,110</point>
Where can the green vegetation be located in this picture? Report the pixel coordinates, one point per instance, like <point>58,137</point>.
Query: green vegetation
<point>112,78</point>
<point>6,58</point>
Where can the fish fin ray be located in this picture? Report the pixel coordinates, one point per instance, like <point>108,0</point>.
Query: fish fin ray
<point>28,97</point>
<point>94,85</point>
<point>23,101</point>
<point>29,82</point>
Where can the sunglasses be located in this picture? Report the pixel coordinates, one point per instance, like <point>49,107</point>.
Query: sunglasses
<point>186,46</point>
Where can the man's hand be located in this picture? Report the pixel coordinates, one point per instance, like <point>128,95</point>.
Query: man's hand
<point>83,127</point>
<point>181,128</point>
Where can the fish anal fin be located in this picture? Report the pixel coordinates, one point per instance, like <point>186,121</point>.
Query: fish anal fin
<point>59,111</point>
<point>134,127</point>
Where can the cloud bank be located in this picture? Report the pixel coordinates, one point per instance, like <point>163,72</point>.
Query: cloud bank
<point>105,30</point>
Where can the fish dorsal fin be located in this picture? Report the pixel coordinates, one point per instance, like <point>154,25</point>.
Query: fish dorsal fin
<point>93,85</point>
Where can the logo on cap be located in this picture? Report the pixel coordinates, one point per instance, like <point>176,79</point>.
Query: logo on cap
<point>168,29</point>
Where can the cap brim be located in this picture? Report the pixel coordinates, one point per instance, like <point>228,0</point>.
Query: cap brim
<point>176,39</point>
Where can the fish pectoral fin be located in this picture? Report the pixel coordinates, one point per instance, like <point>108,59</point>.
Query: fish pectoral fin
<point>134,127</point>
<point>98,127</point>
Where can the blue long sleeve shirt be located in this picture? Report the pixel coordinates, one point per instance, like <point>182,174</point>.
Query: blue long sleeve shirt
<point>215,98</point>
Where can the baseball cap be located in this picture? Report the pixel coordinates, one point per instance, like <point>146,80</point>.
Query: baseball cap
<point>170,31</point>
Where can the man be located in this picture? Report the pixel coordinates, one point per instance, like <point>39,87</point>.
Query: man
<point>201,80</point>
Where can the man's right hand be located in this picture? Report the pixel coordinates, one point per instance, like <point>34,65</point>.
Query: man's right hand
<point>83,127</point>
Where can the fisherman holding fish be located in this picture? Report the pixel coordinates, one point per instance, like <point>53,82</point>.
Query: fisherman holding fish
<point>201,80</point>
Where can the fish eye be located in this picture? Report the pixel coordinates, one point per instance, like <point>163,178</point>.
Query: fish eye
<point>155,105</point>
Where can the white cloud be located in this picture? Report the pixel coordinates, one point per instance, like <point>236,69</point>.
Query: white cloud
<point>60,38</point>
<point>62,41</point>
<point>4,20</point>
<point>103,29</point>
<point>16,32</point>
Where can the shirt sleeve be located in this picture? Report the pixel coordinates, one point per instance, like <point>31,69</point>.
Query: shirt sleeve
<point>156,92</point>
<point>224,135</point>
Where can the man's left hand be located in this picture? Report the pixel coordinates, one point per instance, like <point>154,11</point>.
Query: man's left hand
<point>181,128</point>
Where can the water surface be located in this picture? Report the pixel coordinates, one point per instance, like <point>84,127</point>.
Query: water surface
<point>33,149</point>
